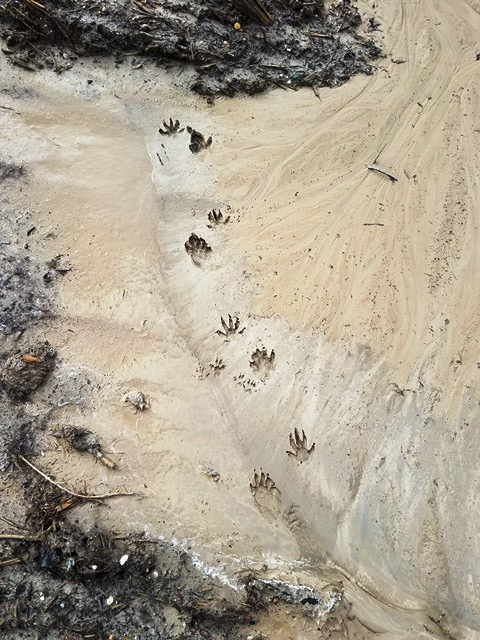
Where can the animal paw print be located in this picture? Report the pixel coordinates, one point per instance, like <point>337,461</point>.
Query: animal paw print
<point>246,384</point>
<point>217,366</point>
<point>261,362</point>
<point>216,218</point>
<point>300,446</point>
<point>294,521</point>
<point>230,328</point>
<point>197,141</point>
<point>266,496</point>
<point>197,248</point>
<point>262,482</point>
<point>170,128</point>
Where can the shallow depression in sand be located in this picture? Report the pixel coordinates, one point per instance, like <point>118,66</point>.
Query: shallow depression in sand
<point>365,364</point>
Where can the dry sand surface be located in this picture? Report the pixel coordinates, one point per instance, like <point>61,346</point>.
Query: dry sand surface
<point>366,290</point>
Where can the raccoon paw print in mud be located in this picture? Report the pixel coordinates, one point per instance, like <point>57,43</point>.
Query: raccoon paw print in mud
<point>231,327</point>
<point>246,383</point>
<point>170,128</point>
<point>217,219</point>
<point>217,367</point>
<point>261,362</point>
<point>266,495</point>
<point>299,445</point>
<point>293,519</point>
<point>214,368</point>
<point>197,141</point>
<point>197,248</point>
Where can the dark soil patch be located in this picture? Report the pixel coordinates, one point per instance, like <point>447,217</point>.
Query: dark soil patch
<point>26,369</point>
<point>23,298</point>
<point>59,581</point>
<point>10,171</point>
<point>233,46</point>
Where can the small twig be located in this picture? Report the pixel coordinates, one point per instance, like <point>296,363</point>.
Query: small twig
<point>72,493</point>
<point>13,536</point>
<point>373,224</point>
<point>325,36</point>
<point>12,523</point>
<point>6,563</point>
<point>9,109</point>
<point>372,167</point>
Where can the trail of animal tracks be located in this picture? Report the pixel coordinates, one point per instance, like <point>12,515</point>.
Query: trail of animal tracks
<point>365,289</point>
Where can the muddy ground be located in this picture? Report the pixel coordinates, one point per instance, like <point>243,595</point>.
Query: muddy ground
<point>228,47</point>
<point>59,580</point>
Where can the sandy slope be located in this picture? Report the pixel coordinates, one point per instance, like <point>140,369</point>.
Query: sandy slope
<point>375,328</point>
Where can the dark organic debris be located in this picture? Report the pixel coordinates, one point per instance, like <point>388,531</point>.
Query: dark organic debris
<point>233,46</point>
<point>255,9</point>
<point>26,369</point>
<point>197,248</point>
<point>170,128</point>
<point>56,267</point>
<point>82,439</point>
<point>197,141</point>
<point>11,171</point>
<point>22,301</point>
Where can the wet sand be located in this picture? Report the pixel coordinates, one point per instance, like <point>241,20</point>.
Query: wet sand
<point>374,328</point>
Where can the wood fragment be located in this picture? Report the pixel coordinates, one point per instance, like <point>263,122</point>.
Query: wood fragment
<point>72,493</point>
<point>324,36</point>
<point>373,167</point>
<point>373,224</point>
<point>31,359</point>
<point>14,536</point>
<point>6,563</point>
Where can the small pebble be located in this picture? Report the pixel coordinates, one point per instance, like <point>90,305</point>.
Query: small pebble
<point>123,559</point>
<point>109,601</point>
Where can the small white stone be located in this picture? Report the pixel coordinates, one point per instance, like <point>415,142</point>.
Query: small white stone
<point>109,601</point>
<point>123,559</point>
<point>154,574</point>
<point>94,567</point>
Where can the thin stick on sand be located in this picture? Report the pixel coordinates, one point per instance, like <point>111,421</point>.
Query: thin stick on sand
<point>72,493</point>
<point>373,167</point>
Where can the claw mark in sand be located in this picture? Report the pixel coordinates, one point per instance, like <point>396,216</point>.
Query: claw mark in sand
<point>216,218</point>
<point>230,328</point>
<point>300,446</point>
<point>171,128</point>
<point>197,248</point>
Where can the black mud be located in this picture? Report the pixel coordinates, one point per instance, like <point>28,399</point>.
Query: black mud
<point>230,46</point>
